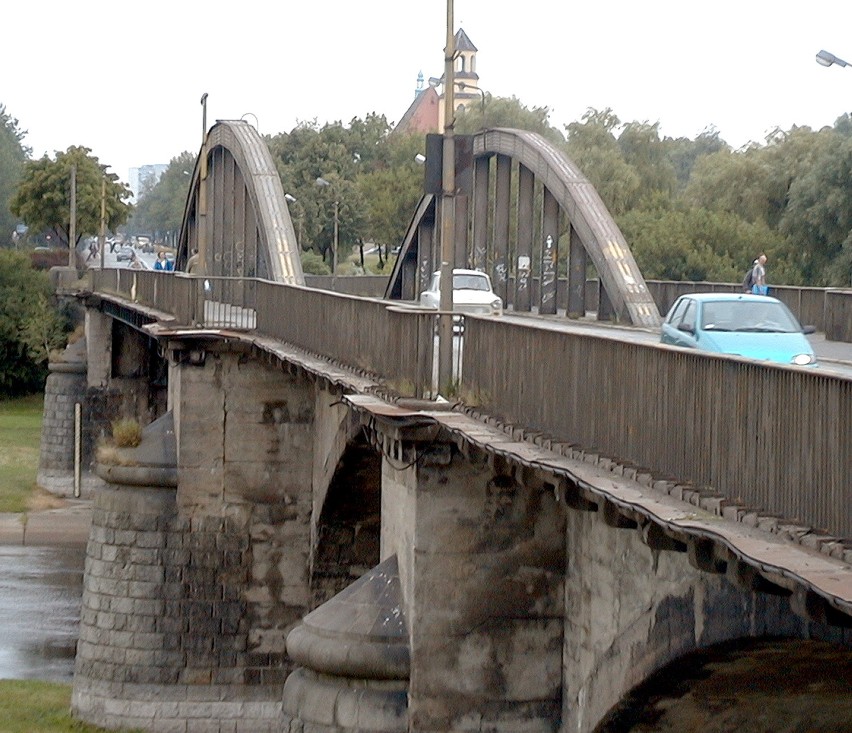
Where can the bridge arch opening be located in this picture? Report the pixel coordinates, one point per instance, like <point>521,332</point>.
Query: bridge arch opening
<point>349,528</point>
<point>743,685</point>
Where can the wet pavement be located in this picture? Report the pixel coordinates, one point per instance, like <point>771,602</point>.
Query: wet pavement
<point>41,591</point>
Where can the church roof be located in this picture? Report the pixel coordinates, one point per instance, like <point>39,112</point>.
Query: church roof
<point>422,115</point>
<point>463,43</point>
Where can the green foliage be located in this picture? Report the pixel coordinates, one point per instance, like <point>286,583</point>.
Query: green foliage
<point>12,157</point>
<point>506,112</point>
<point>160,207</point>
<point>20,434</point>
<point>695,244</point>
<point>31,326</point>
<point>313,264</point>
<point>819,216</point>
<point>43,197</point>
<point>391,190</point>
<point>31,706</point>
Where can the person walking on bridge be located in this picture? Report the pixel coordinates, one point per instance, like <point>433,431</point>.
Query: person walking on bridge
<point>758,276</point>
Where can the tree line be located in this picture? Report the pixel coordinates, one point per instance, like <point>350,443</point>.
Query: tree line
<point>690,209</point>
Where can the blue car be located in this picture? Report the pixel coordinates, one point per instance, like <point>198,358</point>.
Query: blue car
<point>753,326</point>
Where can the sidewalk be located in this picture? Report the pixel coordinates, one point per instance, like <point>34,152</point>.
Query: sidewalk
<point>67,526</point>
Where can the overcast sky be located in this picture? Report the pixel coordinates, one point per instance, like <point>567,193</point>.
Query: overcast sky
<point>125,79</point>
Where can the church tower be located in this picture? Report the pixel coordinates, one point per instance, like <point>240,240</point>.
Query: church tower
<point>426,112</point>
<point>467,91</point>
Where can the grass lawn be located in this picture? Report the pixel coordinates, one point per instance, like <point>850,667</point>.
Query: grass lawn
<point>20,437</point>
<point>29,706</point>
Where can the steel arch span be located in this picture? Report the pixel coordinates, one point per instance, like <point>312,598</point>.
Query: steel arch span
<point>236,217</point>
<point>487,220</point>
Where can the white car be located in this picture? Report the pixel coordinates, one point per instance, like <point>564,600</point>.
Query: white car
<point>472,293</point>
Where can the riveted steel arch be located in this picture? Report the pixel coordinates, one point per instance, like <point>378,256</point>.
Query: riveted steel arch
<point>592,226</point>
<point>236,217</point>
<point>587,213</point>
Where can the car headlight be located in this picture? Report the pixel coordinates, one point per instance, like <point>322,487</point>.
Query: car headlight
<point>804,359</point>
<point>497,305</point>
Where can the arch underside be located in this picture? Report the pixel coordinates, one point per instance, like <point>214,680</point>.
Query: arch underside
<point>578,201</point>
<point>239,222</point>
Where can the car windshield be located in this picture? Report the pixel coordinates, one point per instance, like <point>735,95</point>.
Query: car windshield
<point>748,315</point>
<point>470,282</point>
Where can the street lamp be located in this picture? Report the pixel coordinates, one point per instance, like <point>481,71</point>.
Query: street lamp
<point>324,183</point>
<point>435,81</point>
<point>256,123</point>
<point>290,199</point>
<point>824,58</point>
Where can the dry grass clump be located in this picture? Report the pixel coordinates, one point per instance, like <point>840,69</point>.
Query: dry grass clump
<point>126,433</point>
<point>109,455</point>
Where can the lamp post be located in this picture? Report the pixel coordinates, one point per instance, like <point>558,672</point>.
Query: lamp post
<point>201,267</point>
<point>324,183</point>
<point>824,58</point>
<point>290,199</point>
<point>461,85</point>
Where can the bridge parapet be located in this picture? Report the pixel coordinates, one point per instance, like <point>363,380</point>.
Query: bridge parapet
<point>743,429</point>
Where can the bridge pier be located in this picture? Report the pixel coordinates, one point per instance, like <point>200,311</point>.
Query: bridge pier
<point>192,588</point>
<point>482,559</point>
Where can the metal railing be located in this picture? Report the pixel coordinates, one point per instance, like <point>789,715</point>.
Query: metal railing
<point>383,339</point>
<point>773,437</point>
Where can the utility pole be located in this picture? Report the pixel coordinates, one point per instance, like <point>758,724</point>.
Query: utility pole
<point>72,227</point>
<point>102,234</point>
<point>448,201</point>
<point>336,238</point>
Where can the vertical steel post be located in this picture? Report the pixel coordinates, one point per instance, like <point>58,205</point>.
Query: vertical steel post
<point>445,319</point>
<point>523,263</point>
<point>336,238</point>
<point>500,242</point>
<point>550,252</point>
<point>576,276</point>
<point>480,213</point>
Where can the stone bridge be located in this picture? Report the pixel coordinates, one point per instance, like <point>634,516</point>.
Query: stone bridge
<point>304,540</point>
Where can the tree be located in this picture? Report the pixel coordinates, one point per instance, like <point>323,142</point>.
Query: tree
<point>12,157</point>
<point>593,147</point>
<point>691,243</point>
<point>160,207</point>
<point>643,150</point>
<point>392,190</point>
<point>332,153</point>
<point>507,112</point>
<point>31,326</point>
<point>819,216</point>
<point>43,197</point>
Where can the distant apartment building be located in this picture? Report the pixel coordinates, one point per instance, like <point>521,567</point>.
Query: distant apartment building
<point>144,177</point>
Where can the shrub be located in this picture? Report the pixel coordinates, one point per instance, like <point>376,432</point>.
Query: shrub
<point>126,433</point>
